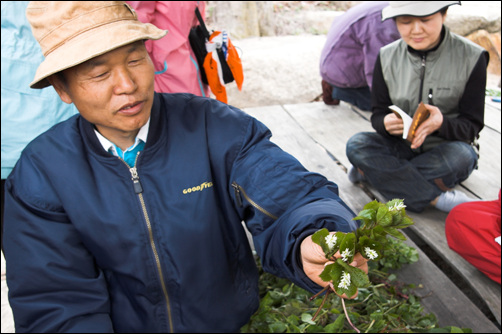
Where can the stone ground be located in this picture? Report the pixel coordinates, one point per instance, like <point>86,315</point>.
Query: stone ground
<point>285,69</point>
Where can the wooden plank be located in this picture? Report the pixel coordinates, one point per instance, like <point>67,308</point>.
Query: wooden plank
<point>430,227</point>
<point>438,295</point>
<point>492,114</point>
<point>331,126</point>
<point>485,181</point>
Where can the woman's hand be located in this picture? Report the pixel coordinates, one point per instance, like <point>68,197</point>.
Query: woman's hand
<point>430,125</point>
<point>393,124</point>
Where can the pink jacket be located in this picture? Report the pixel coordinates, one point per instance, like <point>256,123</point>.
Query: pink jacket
<point>176,69</point>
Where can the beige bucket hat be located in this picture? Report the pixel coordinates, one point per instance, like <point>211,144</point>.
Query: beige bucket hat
<point>72,32</point>
<point>414,8</point>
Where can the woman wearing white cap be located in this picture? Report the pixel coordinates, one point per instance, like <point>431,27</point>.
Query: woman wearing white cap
<point>127,217</point>
<point>447,72</point>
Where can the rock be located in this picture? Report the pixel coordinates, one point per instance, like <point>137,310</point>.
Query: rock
<point>278,70</point>
<point>245,19</point>
<point>474,15</point>
<point>285,69</point>
<point>239,18</point>
<point>491,43</point>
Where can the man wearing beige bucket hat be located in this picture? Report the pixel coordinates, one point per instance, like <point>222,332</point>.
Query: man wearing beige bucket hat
<point>447,72</point>
<point>128,216</point>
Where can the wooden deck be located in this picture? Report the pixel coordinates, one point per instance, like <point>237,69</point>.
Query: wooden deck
<point>455,291</point>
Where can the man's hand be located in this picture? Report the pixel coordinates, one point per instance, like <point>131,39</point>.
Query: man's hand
<point>314,261</point>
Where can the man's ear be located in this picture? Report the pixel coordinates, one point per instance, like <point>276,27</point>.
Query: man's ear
<point>57,81</point>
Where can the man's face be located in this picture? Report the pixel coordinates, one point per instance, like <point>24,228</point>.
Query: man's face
<point>113,91</point>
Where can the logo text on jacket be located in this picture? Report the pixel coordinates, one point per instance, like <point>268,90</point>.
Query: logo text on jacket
<point>200,187</point>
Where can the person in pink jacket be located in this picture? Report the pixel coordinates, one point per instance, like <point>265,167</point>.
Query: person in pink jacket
<point>176,68</point>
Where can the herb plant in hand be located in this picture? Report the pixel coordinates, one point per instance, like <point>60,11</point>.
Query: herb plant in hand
<point>378,220</point>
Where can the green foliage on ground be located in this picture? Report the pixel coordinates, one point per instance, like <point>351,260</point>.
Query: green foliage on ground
<point>493,92</point>
<point>386,306</point>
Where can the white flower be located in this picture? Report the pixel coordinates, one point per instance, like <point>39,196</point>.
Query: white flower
<point>397,207</point>
<point>371,253</point>
<point>330,240</point>
<point>345,255</point>
<point>345,281</point>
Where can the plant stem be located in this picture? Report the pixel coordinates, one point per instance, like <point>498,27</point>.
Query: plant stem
<point>317,294</point>
<point>322,304</point>
<point>371,325</point>
<point>347,316</point>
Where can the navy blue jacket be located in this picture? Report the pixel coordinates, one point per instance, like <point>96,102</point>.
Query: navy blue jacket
<point>94,246</point>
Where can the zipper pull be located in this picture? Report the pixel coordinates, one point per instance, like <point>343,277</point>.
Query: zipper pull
<point>138,189</point>
<point>237,192</point>
<point>422,69</point>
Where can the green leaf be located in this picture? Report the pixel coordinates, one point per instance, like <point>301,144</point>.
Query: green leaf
<point>366,215</point>
<point>307,318</point>
<point>405,222</point>
<point>377,315</point>
<point>397,217</point>
<point>347,247</point>
<point>293,319</point>
<point>326,273</point>
<point>395,233</point>
<point>384,217</point>
<point>364,243</point>
<point>359,278</point>
<point>373,205</point>
<point>337,273</point>
<point>413,256</point>
<point>277,327</point>
<point>336,270</point>
<point>350,291</point>
<point>320,236</point>
<point>336,326</point>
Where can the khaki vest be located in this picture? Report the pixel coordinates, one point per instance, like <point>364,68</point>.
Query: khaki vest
<point>447,70</point>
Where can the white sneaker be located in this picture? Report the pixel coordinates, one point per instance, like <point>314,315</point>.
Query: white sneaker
<point>450,199</point>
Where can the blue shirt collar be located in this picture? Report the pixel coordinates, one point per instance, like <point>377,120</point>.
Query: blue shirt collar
<point>110,147</point>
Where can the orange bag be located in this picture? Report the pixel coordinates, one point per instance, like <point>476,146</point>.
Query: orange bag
<point>215,64</point>
<point>217,57</point>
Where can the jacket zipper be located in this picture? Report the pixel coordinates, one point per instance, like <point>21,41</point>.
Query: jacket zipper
<point>238,190</point>
<point>422,76</point>
<point>138,189</point>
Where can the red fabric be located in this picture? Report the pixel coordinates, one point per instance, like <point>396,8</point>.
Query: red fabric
<point>471,229</point>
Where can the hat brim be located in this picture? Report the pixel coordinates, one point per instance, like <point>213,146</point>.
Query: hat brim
<point>91,44</point>
<point>415,8</point>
